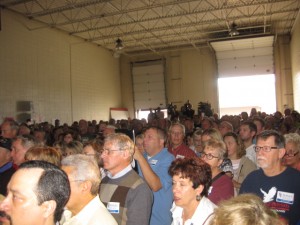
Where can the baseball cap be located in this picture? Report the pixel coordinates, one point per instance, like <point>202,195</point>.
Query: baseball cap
<point>5,143</point>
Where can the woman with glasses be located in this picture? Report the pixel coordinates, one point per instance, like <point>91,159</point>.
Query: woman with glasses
<point>213,133</point>
<point>292,147</point>
<point>191,178</point>
<point>222,186</point>
<point>94,148</point>
<point>242,166</point>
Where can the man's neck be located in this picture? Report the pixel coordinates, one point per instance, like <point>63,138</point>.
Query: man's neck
<point>81,204</point>
<point>276,170</point>
<point>175,146</point>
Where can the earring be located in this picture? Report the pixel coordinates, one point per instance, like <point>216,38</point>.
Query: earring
<point>198,198</point>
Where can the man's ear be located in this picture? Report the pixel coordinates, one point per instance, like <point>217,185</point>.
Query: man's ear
<point>86,186</point>
<point>49,208</point>
<point>282,152</point>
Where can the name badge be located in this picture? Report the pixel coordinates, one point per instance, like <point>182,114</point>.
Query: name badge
<point>179,156</point>
<point>153,162</point>
<point>285,197</point>
<point>210,190</point>
<point>113,207</point>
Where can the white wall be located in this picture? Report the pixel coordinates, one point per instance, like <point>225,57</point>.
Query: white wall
<point>63,76</point>
<point>295,61</point>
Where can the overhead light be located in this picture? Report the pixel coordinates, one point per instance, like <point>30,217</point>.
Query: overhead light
<point>233,30</point>
<point>119,45</point>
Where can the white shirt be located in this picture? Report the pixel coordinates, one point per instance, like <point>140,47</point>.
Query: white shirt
<point>202,215</point>
<point>94,213</point>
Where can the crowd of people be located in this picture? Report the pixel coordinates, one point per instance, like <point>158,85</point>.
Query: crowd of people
<point>189,171</point>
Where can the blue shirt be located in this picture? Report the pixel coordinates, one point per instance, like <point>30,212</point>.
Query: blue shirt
<point>280,193</point>
<point>163,198</point>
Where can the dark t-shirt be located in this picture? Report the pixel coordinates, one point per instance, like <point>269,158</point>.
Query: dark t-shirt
<point>281,192</point>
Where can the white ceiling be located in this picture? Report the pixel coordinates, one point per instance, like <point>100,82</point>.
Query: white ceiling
<point>160,25</point>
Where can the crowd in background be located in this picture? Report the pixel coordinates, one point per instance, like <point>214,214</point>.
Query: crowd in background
<point>226,145</point>
<point>83,130</point>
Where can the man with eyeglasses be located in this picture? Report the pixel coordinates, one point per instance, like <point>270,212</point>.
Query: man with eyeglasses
<point>276,184</point>
<point>125,194</point>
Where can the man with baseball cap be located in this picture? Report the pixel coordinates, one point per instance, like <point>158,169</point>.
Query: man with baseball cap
<point>6,165</point>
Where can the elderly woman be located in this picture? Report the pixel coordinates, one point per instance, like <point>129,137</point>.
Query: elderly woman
<point>242,166</point>
<point>213,133</point>
<point>292,147</point>
<point>191,181</point>
<point>222,186</point>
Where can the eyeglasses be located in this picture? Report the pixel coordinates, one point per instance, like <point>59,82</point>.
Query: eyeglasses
<point>208,156</point>
<point>264,148</point>
<point>291,154</point>
<point>109,151</point>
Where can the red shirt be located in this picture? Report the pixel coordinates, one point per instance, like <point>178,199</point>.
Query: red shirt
<point>221,189</point>
<point>182,151</point>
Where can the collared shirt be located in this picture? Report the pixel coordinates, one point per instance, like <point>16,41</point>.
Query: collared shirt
<point>119,174</point>
<point>163,198</point>
<point>182,151</point>
<point>94,213</point>
<point>201,216</point>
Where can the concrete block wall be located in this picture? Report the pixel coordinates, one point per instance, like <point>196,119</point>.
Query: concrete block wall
<point>64,77</point>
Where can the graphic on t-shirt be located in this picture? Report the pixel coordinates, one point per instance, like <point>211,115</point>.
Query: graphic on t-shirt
<point>268,197</point>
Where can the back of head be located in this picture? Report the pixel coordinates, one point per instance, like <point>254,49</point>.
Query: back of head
<point>44,153</point>
<point>245,209</point>
<point>53,184</point>
<point>85,168</point>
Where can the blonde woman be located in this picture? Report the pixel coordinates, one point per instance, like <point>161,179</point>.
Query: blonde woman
<point>245,209</point>
<point>221,187</point>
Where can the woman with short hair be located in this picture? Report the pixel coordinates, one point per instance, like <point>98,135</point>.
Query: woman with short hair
<point>191,181</point>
